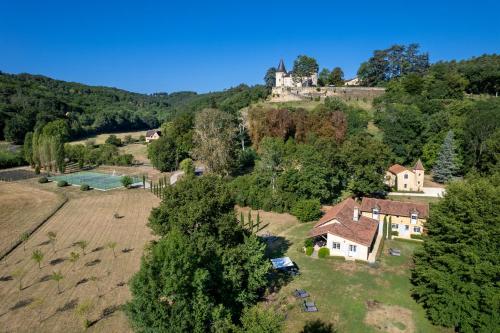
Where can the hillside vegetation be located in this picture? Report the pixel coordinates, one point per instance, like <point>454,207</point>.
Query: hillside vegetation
<point>28,101</point>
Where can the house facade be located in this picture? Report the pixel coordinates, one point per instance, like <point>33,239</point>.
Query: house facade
<point>403,179</point>
<point>285,79</point>
<point>152,135</point>
<point>406,218</point>
<point>346,232</point>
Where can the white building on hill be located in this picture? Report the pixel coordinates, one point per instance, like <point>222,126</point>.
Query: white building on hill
<point>284,79</point>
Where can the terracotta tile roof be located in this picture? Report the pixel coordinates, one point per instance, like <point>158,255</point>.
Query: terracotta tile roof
<point>418,165</point>
<point>362,232</point>
<point>398,208</point>
<point>397,168</point>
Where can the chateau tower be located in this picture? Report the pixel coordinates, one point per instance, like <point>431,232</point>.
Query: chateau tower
<point>280,74</point>
<point>419,172</point>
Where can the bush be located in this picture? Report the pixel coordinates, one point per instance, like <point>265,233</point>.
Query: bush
<point>114,140</point>
<point>307,210</point>
<point>62,183</point>
<point>324,252</point>
<point>126,181</point>
<point>394,233</point>
<point>416,236</point>
<point>9,159</point>
<point>43,180</point>
<point>309,250</point>
<point>84,187</point>
<point>308,242</point>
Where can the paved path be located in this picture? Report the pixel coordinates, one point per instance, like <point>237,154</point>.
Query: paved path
<point>372,257</point>
<point>436,192</point>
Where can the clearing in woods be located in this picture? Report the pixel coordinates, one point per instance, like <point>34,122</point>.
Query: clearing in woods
<point>99,277</point>
<point>22,209</point>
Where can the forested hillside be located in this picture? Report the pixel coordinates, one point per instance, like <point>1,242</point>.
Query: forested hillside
<point>29,100</point>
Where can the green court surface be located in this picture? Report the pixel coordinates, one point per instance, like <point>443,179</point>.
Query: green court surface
<point>99,181</point>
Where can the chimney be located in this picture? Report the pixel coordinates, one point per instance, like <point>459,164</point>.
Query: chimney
<point>355,217</point>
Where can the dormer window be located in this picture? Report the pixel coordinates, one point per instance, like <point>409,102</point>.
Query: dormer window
<point>414,218</point>
<point>375,214</point>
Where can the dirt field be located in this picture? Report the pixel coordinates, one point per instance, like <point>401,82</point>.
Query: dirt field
<point>97,278</point>
<point>23,207</point>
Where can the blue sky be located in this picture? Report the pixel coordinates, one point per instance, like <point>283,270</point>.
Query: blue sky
<point>147,46</point>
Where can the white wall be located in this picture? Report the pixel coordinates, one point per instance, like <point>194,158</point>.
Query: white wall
<point>361,250</point>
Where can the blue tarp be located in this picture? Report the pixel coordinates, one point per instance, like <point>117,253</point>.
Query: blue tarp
<point>280,263</point>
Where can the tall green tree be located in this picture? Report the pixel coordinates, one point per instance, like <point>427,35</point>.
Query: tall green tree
<point>456,272</point>
<point>445,165</point>
<point>214,138</point>
<point>336,77</point>
<point>304,67</point>
<point>270,78</point>
<point>323,77</point>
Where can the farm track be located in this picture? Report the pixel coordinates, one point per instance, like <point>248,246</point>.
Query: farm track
<point>88,217</point>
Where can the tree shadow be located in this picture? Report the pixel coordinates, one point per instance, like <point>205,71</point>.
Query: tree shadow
<point>44,278</point>
<point>318,326</point>
<point>93,262</point>
<point>21,304</point>
<point>97,249</point>
<point>277,246</point>
<point>106,312</point>
<point>70,305</point>
<point>127,250</point>
<point>82,281</point>
<point>6,278</point>
<point>57,261</point>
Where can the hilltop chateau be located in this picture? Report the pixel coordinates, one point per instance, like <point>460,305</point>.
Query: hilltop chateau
<point>287,88</point>
<point>284,79</point>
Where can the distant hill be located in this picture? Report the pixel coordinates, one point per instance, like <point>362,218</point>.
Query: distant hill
<point>29,100</point>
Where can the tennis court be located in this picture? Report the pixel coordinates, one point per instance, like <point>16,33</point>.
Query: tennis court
<point>99,181</point>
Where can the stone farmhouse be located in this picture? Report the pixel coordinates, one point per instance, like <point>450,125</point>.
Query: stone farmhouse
<point>350,229</point>
<point>152,135</point>
<point>403,179</point>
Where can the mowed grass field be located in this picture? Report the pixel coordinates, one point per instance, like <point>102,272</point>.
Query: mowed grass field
<point>351,295</point>
<point>97,278</point>
<point>22,208</point>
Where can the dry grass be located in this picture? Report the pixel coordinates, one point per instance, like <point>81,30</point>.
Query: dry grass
<point>139,150</point>
<point>101,138</point>
<point>86,216</point>
<point>22,208</point>
<point>390,319</point>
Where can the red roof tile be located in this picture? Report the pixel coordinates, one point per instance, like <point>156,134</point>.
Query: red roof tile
<point>418,165</point>
<point>362,231</point>
<point>398,208</point>
<point>397,168</point>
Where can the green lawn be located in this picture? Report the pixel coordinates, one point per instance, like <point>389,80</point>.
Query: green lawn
<point>341,289</point>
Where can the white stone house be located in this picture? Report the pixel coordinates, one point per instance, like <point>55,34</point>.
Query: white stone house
<point>152,135</point>
<point>347,232</point>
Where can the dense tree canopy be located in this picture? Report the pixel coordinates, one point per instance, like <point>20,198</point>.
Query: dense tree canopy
<point>456,273</point>
<point>391,63</point>
<point>205,269</point>
<point>28,100</point>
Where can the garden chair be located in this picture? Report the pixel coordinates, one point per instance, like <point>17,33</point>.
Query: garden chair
<point>310,307</point>
<point>301,293</point>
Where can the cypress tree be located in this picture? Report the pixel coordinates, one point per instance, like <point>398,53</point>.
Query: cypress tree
<point>242,219</point>
<point>258,221</point>
<point>390,227</point>
<point>385,227</point>
<point>445,167</point>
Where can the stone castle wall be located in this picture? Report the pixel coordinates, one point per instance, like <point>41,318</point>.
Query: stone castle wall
<point>287,94</point>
